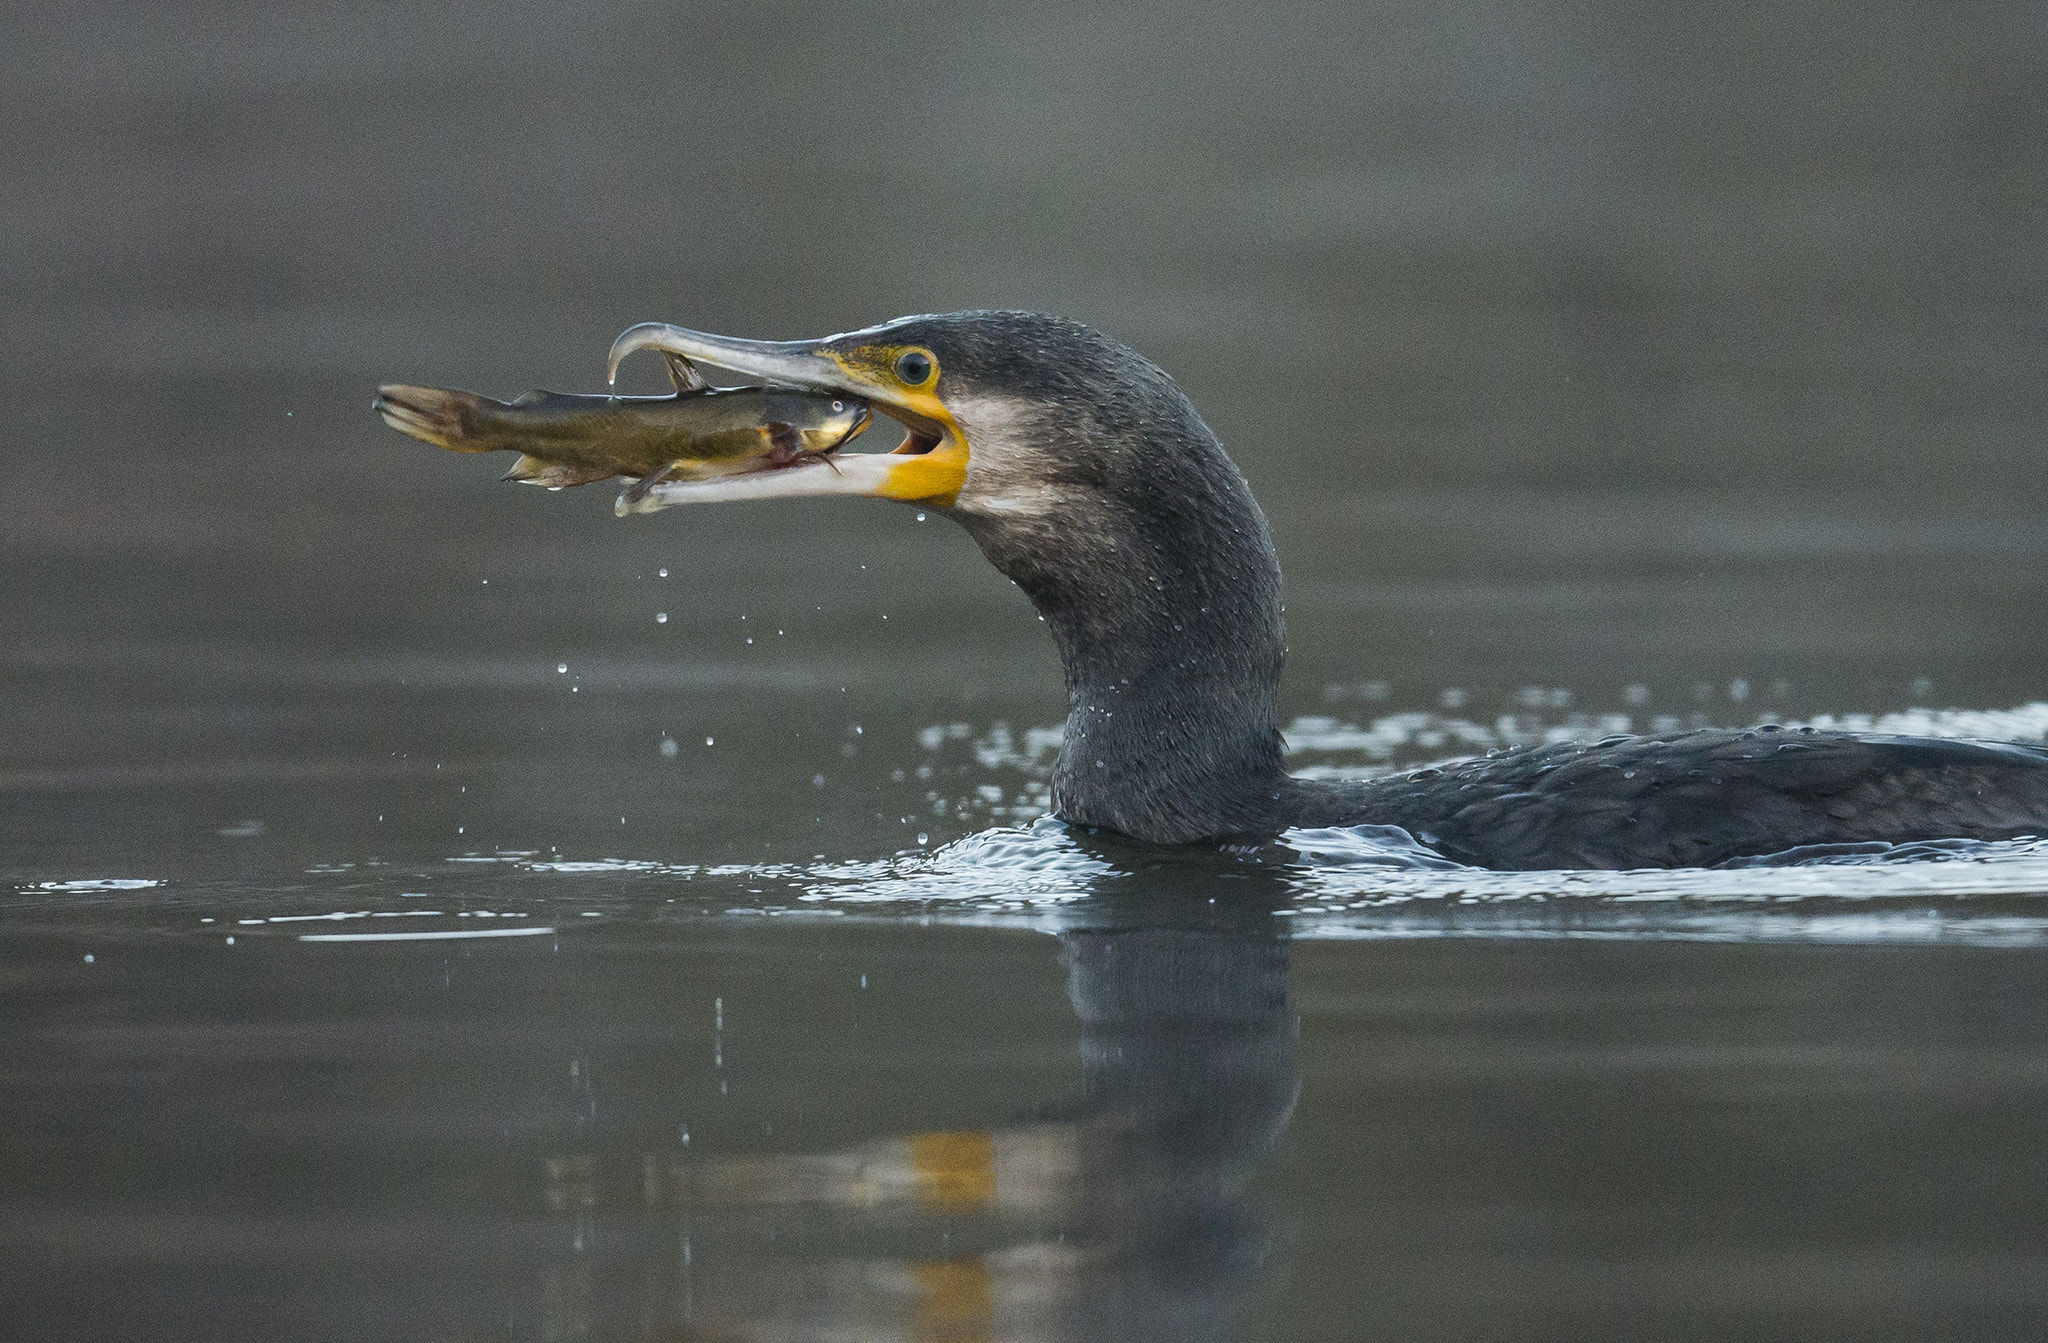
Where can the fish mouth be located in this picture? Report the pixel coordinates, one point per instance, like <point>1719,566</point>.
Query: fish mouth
<point>928,468</point>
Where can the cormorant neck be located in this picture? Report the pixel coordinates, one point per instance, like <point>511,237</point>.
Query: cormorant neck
<point>1162,590</point>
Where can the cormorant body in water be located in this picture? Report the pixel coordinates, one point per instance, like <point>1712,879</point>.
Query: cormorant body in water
<point>1088,478</point>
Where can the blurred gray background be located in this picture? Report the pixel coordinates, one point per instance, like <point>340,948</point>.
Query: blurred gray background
<point>1569,348</point>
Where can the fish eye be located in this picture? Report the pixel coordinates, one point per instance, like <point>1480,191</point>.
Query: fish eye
<point>914,367</point>
<point>838,406</point>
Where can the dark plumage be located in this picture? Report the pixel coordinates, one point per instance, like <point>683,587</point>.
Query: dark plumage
<point>1700,798</point>
<point>1091,481</point>
<point>1162,588</point>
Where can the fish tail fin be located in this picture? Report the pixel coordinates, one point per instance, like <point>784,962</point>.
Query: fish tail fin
<point>452,420</point>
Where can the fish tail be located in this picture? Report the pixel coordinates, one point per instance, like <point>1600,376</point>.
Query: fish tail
<point>453,420</point>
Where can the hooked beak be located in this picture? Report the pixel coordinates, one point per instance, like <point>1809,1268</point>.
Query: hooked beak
<point>929,468</point>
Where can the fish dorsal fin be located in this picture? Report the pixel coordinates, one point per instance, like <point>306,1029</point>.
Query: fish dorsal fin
<point>683,373</point>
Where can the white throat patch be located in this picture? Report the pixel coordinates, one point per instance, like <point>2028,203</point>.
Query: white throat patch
<point>1005,452</point>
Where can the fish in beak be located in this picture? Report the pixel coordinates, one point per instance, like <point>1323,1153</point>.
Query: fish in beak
<point>897,379</point>
<point>698,434</point>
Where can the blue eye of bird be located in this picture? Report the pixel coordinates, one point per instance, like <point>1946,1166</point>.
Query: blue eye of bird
<point>914,367</point>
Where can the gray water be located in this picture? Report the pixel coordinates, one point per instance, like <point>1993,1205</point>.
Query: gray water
<point>408,932</point>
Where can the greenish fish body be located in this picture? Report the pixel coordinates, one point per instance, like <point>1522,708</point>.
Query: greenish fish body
<point>569,439</point>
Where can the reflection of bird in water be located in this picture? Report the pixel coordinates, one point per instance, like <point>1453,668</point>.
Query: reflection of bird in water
<point>1087,477</point>
<point>1127,1216</point>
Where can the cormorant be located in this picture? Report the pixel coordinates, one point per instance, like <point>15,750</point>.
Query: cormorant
<point>1088,478</point>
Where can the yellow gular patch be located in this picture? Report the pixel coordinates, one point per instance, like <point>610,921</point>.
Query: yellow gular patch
<point>934,477</point>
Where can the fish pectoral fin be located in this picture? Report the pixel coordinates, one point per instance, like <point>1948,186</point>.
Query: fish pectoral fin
<point>683,373</point>
<point>785,441</point>
<point>631,497</point>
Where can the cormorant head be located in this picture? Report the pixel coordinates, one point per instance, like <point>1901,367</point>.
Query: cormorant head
<point>1078,466</point>
<point>1009,415</point>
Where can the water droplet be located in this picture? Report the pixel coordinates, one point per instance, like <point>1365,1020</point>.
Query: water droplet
<point>817,781</point>
<point>668,746</point>
<point>88,958</point>
<point>923,838</point>
<point>664,574</point>
<point>561,666</point>
<point>920,517</point>
<point>661,617</point>
<point>709,741</point>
